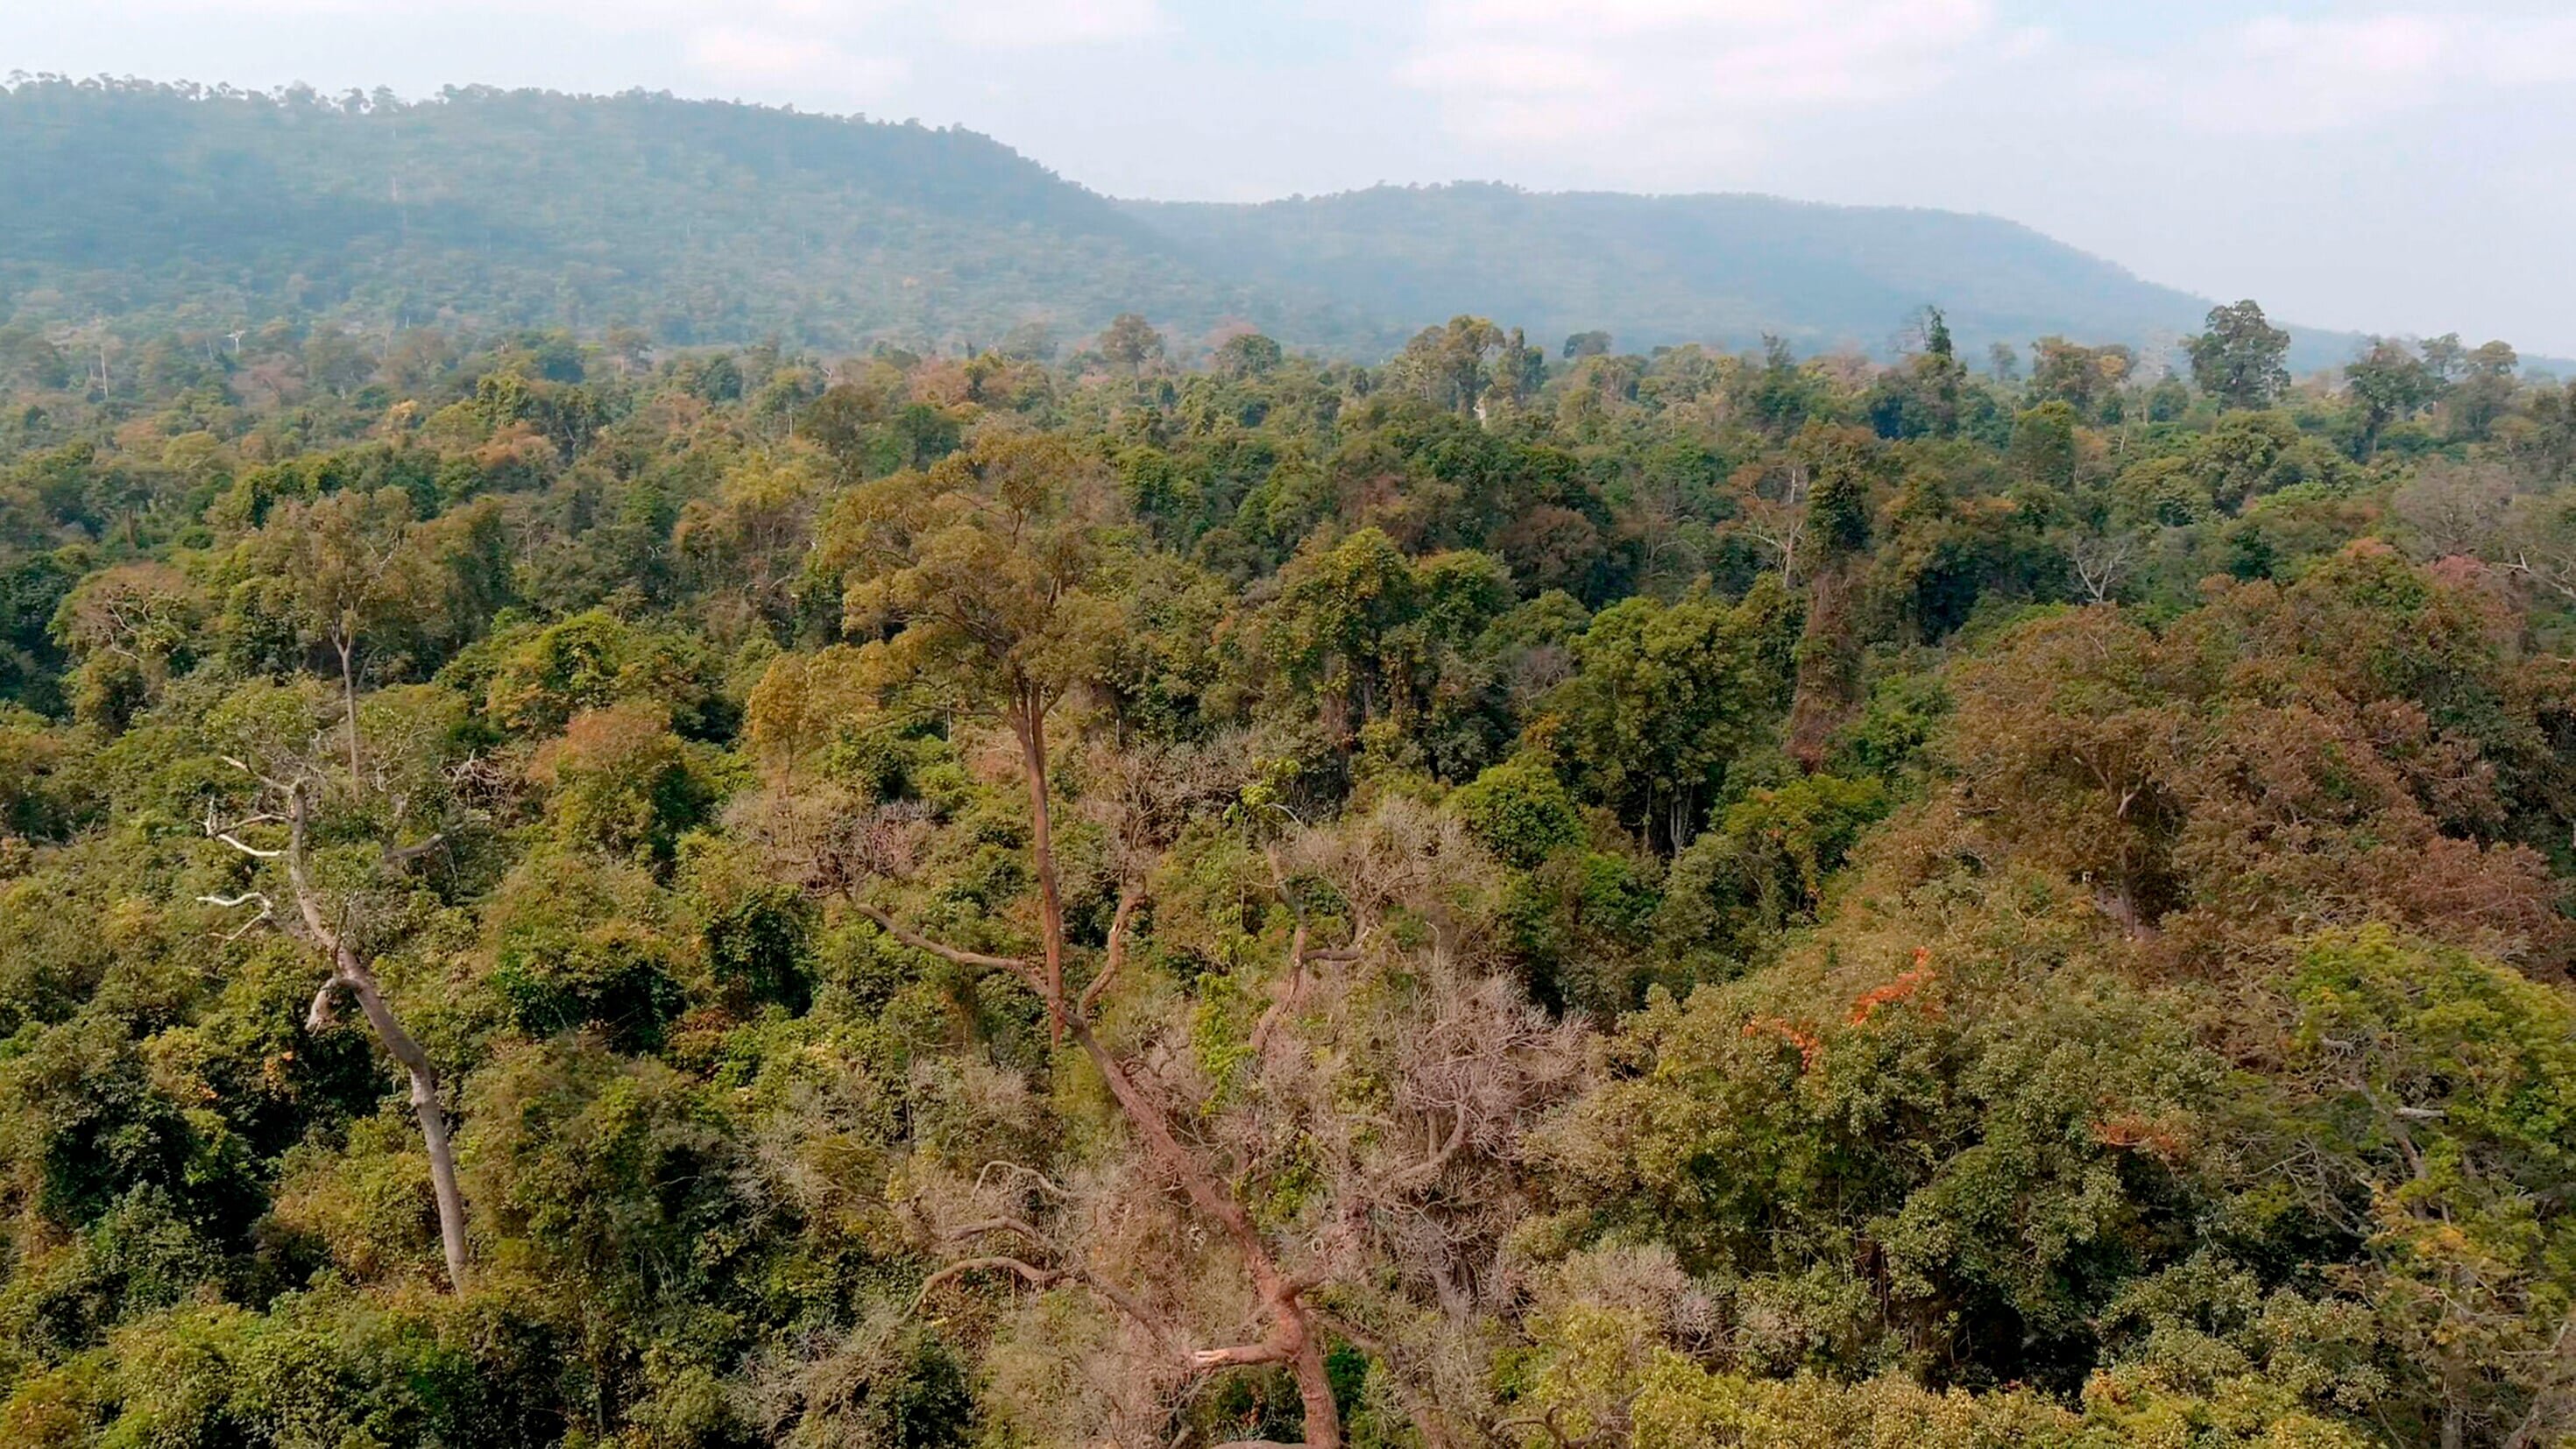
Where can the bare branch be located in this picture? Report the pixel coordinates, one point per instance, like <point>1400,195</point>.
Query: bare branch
<point>1292,985</point>
<point>1052,1187</point>
<point>950,954</point>
<point>267,909</point>
<point>1041,1279</point>
<point>215,830</point>
<point>1267,1351</point>
<point>1117,957</point>
<point>995,1225</point>
<point>1429,1168</point>
<point>404,855</point>
<point>2101,561</point>
<point>1036,1276</point>
<point>306,902</point>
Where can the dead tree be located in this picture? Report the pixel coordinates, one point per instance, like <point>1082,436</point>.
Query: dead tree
<point>292,801</point>
<point>1413,1179</point>
<point>1776,520</point>
<point>1475,1059</point>
<point>1295,1338</point>
<point>2101,562</point>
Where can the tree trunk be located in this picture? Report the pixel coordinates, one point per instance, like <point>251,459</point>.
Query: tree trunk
<point>1315,1391</point>
<point>1293,1338</point>
<point>1030,723</point>
<point>346,642</point>
<point>1826,685</point>
<point>424,1105</point>
<point>348,971</point>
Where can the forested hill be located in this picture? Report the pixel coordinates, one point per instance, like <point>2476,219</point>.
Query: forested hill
<point>705,222</point>
<point>695,221</point>
<point>1666,270</point>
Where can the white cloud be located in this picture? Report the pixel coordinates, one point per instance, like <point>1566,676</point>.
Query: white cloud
<point>1679,78</point>
<point>745,38</point>
<point>1051,22</point>
<point>753,56</point>
<point>2275,75</point>
<point>830,53</point>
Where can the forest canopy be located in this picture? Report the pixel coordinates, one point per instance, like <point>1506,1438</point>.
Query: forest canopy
<point>560,886</point>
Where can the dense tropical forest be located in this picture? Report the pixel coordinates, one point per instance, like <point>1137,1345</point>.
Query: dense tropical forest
<point>131,208</point>
<point>567,888</point>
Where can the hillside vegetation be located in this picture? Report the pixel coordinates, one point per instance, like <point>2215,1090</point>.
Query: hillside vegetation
<point>560,891</point>
<point>698,222</point>
<point>692,220</point>
<point>1666,270</point>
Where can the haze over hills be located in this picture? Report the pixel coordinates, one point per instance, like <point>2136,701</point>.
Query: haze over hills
<point>1658,270</point>
<point>704,222</point>
<point>698,221</point>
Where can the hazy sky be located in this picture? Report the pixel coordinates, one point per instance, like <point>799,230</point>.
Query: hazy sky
<point>2380,167</point>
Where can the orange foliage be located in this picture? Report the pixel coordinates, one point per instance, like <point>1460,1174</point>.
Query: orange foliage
<point>1900,989</point>
<point>2128,1129</point>
<point>1809,1046</point>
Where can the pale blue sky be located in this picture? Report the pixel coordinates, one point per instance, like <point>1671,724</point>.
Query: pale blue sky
<point>2380,167</point>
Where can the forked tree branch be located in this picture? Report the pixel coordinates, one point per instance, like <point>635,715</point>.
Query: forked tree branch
<point>404,855</point>
<point>1128,900</point>
<point>1430,1167</point>
<point>267,910</point>
<point>950,954</point>
<point>1041,1278</point>
<point>1241,1354</point>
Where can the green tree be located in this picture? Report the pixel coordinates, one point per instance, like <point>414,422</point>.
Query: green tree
<point>986,574</point>
<point>339,555</point>
<point>1131,343</point>
<point>2392,384</point>
<point>2442,1107</point>
<point>2239,357</point>
<point>1663,699</point>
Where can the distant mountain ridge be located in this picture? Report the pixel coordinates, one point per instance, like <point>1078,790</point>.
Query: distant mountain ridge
<point>707,221</point>
<point>1660,270</point>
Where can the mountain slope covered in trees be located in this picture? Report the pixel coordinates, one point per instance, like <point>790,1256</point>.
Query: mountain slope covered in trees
<point>704,222</point>
<point>692,220</point>
<point>1662,270</point>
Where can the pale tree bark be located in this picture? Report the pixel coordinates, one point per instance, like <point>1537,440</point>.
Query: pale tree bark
<point>344,639</point>
<point>1028,722</point>
<point>1780,524</point>
<point>2101,562</point>
<point>1295,1340</point>
<point>351,974</point>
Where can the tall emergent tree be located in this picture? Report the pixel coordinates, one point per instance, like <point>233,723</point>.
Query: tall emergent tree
<point>288,791</point>
<point>2239,359</point>
<point>988,577</point>
<point>979,573</point>
<point>338,557</point>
